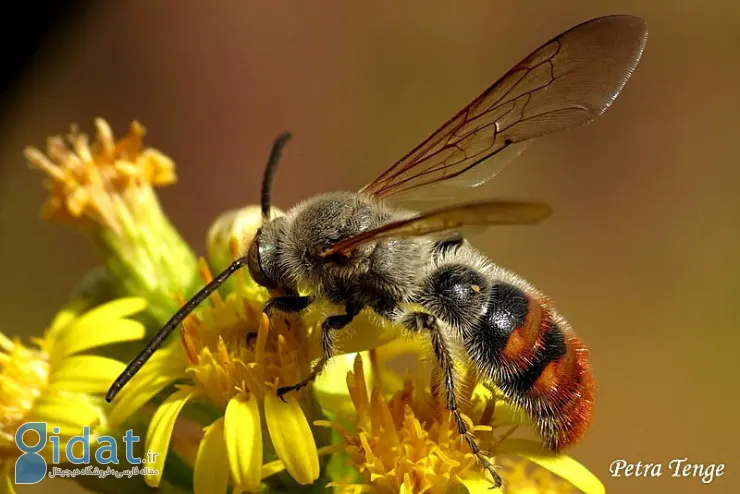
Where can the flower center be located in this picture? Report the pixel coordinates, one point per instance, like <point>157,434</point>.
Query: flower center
<point>409,441</point>
<point>233,348</point>
<point>24,375</point>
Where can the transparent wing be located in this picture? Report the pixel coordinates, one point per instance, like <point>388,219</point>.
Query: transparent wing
<point>568,81</point>
<point>447,192</point>
<point>447,219</point>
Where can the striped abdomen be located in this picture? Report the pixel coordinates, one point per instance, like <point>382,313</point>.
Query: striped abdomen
<point>536,361</point>
<point>517,341</point>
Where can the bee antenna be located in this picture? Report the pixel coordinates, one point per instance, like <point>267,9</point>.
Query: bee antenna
<point>272,163</point>
<point>132,368</point>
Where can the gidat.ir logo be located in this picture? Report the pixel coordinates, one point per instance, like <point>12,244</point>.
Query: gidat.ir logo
<point>31,438</point>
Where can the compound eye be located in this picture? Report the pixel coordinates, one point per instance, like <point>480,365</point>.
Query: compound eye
<point>255,266</point>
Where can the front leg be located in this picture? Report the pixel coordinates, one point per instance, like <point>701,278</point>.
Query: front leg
<point>330,324</point>
<point>418,322</point>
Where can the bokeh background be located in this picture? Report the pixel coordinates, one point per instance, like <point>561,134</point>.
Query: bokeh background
<point>641,254</point>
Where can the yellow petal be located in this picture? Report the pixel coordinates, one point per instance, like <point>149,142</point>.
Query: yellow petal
<point>165,366</point>
<point>86,373</point>
<point>160,431</point>
<point>272,468</point>
<point>243,433</point>
<point>368,331</point>
<point>561,465</point>
<point>211,473</point>
<point>101,326</point>
<point>507,414</point>
<point>292,438</point>
<point>504,413</point>
<point>393,358</point>
<point>69,413</point>
<point>475,484</point>
<point>330,388</point>
<point>119,308</point>
<point>65,316</point>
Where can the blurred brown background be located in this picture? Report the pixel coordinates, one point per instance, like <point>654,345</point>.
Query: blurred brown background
<point>640,255</point>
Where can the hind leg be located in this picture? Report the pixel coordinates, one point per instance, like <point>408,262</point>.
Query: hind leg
<point>418,322</point>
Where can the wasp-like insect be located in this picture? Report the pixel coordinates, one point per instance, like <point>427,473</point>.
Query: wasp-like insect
<point>358,252</point>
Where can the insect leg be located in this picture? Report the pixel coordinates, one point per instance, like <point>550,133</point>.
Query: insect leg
<point>290,303</point>
<point>330,324</point>
<point>419,321</point>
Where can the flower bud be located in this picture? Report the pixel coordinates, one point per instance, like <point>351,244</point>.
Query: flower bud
<point>230,236</point>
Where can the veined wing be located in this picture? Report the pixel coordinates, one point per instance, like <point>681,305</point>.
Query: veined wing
<point>568,81</point>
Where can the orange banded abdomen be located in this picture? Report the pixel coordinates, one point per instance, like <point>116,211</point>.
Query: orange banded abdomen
<point>536,360</point>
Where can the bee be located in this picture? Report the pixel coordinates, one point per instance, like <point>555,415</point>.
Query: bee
<point>359,252</point>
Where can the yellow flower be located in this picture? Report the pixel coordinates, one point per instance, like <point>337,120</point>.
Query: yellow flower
<point>409,443</point>
<point>235,359</point>
<point>52,381</point>
<point>107,189</point>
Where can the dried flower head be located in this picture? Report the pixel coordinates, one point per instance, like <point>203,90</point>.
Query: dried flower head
<point>104,183</point>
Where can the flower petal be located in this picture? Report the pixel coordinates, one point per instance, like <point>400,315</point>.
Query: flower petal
<point>70,413</point>
<point>561,465</point>
<point>100,326</point>
<point>165,366</point>
<point>476,484</point>
<point>368,331</point>
<point>160,431</point>
<point>330,387</point>
<point>508,414</point>
<point>66,315</point>
<point>211,472</point>
<point>86,373</point>
<point>392,361</point>
<point>292,438</point>
<point>504,413</point>
<point>243,433</point>
<point>117,309</point>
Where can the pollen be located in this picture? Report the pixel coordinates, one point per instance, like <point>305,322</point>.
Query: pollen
<point>24,375</point>
<point>234,349</point>
<point>104,182</point>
